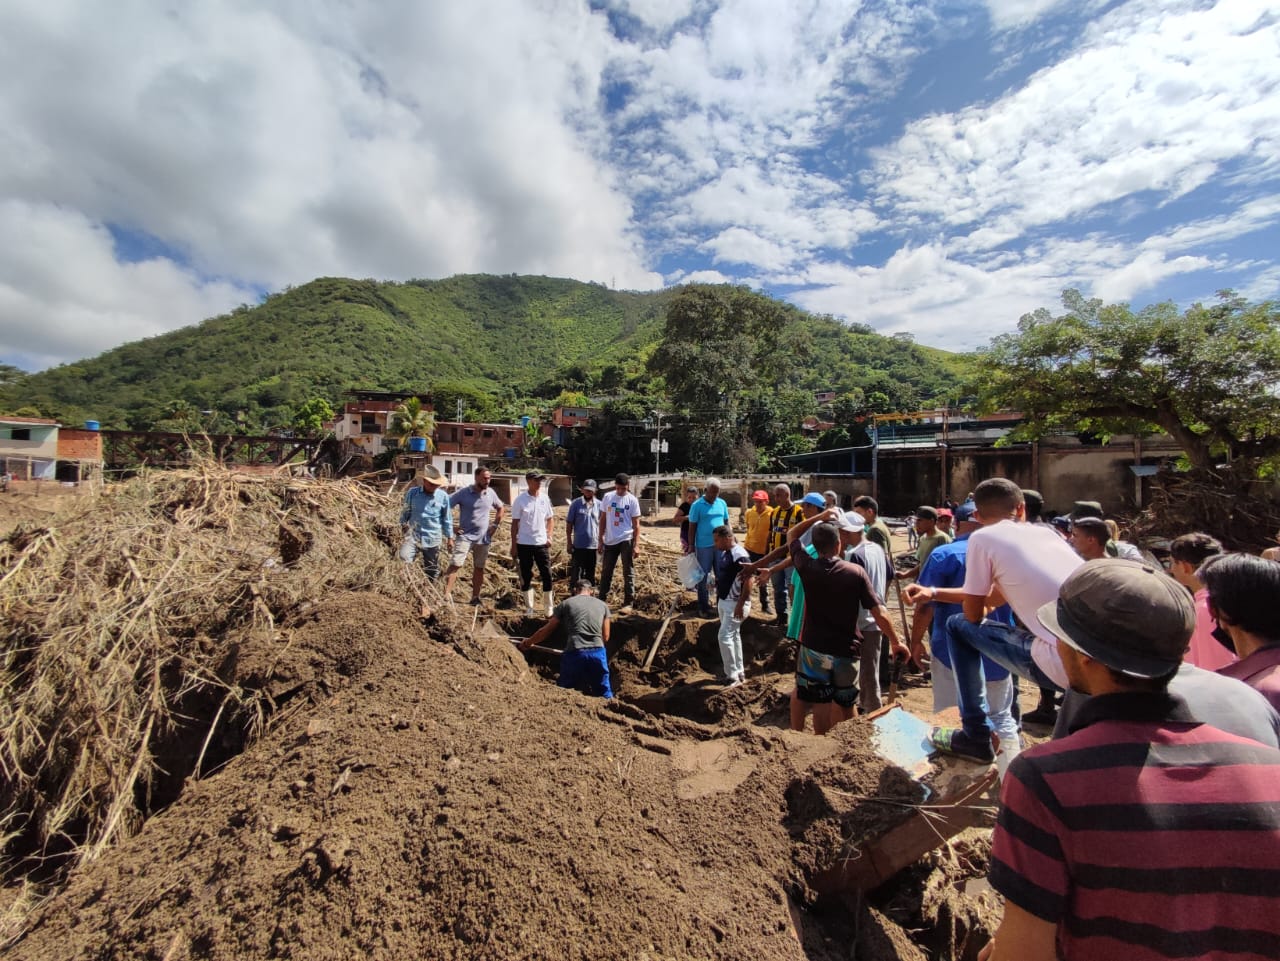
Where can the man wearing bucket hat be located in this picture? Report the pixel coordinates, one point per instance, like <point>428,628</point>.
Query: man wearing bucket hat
<point>1144,832</point>
<point>427,519</point>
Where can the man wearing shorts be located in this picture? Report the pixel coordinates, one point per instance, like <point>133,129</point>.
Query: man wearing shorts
<point>834,590</point>
<point>584,665</point>
<point>475,528</point>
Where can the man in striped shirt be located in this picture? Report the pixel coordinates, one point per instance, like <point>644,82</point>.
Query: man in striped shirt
<point>1144,834</point>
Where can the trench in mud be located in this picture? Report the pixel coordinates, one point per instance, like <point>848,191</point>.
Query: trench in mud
<point>939,900</point>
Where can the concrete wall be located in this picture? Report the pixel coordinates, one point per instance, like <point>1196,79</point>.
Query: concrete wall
<point>1063,470</point>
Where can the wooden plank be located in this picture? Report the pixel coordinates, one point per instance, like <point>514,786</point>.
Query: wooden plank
<point>648,660</point>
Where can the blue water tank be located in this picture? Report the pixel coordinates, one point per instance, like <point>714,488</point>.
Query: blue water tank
<point>509,453</point>
<point>417,444</point>
<point>91,425</point>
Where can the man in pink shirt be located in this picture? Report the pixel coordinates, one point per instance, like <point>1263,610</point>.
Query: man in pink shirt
<point>1242,598</point>
<point>1188,552</point>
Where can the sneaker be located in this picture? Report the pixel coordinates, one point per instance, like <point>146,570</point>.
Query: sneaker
<point>733,682</point>
<point>954,741</point>
<point>1046,716</point>
<point>476,602</point>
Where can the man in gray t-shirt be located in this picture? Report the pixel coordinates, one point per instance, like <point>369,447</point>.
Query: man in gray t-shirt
<point>584,665</point>
<point>475,531</point>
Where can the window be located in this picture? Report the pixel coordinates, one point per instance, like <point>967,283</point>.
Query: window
<point>20,433</point>
<point>468,432</point>
<point>510,434</point>
<point>448,467</point>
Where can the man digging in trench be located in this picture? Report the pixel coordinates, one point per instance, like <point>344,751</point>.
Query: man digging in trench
<point>584,665</point>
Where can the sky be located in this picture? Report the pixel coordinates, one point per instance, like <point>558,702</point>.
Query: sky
<point>934,168</point>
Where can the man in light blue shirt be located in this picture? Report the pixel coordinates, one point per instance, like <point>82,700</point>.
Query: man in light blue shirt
<point>582,531</point>
<point>707,513</point>
<point>427,519</point>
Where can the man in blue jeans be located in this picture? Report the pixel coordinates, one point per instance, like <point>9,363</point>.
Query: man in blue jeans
<point>1007,561</point>
<point>707,513</point>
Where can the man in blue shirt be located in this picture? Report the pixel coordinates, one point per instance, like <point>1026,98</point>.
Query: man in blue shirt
<point>945,567</point>
<point>582,533</point>
<point>427,519</point>
<point>707,513</point>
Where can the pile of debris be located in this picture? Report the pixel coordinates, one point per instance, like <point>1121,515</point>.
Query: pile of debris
<point>229,732</point>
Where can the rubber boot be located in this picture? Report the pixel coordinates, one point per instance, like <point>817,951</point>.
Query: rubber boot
<point>528,602</point>
<point>551,603</point>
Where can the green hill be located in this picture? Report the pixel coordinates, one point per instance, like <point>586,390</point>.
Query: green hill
<point>497,339</point>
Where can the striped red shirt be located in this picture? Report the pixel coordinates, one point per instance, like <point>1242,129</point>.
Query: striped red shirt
<point>1145,835</point>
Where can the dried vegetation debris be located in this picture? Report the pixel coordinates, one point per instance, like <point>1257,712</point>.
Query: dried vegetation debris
<point>127,622</point>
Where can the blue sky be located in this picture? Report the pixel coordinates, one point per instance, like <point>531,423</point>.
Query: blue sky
<point>939,169</point>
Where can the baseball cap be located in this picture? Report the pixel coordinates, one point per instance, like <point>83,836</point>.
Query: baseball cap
<point>587,485</point>
<point>927,512</point>
<point>1090,522</point>
<point>1062,523</point>
<point>814,499</point>
<point>851,522</point>
<point>760,496</point>
<point>1130,616</point>
<point>966,512</point>
<point>1086,509</point>
<point>535,475</point>
<point>945,512</point>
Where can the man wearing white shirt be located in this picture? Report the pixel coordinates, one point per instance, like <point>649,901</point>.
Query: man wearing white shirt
<point>1008,561</point>
<point>619,537</point>
<point>531,516</point>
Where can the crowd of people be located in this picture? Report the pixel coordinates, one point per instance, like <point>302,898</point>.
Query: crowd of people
<point>1148,825</point>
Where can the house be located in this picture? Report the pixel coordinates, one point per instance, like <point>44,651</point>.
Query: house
<point>565,421</point>
<point>39,449</point>
<point>364,420</point>
<point>484,441</point>
<point>29,447</point>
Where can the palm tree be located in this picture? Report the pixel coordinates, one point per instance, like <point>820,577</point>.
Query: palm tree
<point>410,420</point>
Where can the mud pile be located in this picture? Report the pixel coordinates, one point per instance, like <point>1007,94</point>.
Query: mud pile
<point>419,790</point>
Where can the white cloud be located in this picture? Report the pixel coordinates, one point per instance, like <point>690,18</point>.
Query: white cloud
<point>63,292</point>
<point>398,140</point>
<point>1006,14</point>
<point>1157,98</point>
<point>658,14</point>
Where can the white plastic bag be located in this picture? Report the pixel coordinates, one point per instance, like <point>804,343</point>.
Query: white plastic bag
<point>691,575</point>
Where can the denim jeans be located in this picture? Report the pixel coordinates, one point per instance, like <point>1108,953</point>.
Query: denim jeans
<point>411,550</point>
<point>781,593</point>
<point>1000,699</point>
<point>1010,647</point>
<point>707,561</point>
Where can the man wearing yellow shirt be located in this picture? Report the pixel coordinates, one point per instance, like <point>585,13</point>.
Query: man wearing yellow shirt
<point>757,543</point>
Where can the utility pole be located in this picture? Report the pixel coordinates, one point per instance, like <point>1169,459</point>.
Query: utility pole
<point>657,461</point>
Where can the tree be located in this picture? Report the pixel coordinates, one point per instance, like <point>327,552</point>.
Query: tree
<point>1206,377</point>
<point>726,351</point>
<point>411,419</point>
<point>310,416</point>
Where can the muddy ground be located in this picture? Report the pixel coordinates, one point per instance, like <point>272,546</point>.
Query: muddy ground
<point>426,791</point>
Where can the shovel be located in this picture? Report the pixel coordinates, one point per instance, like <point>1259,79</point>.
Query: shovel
<point>895,676</point>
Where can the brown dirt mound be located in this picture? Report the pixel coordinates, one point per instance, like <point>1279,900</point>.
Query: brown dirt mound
<point>419,789</point>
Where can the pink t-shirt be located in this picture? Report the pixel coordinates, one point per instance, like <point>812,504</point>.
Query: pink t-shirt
<point>1204,651</point>
<point>1028,562</point>
<point>1261,671</point>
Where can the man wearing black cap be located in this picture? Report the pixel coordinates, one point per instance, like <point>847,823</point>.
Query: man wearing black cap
<point>1143,833</point>
<point>619,537</point>
<point>582,533</point>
